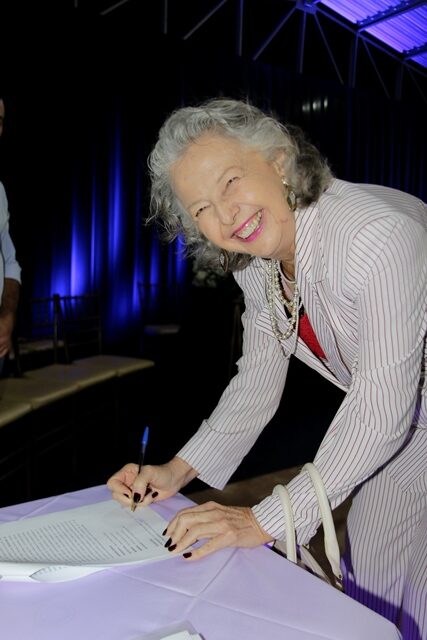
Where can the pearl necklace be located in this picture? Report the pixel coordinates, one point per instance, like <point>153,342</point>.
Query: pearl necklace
<point>293,306</point>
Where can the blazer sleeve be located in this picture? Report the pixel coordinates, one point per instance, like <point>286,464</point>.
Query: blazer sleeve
<point>386,271</point>
<point>245,407</point>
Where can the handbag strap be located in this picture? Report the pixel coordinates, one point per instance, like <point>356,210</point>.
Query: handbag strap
<point>330,538</point>
<point>332,549</point>
<point>290,545</point>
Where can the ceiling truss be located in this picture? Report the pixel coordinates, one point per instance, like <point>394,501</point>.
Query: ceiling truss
<point>360,41</point>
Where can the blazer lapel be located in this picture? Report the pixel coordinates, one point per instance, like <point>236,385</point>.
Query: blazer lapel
<point>311,275</point>
<point>311,272</point>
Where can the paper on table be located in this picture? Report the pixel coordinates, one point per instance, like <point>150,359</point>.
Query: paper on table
<point>182,635</point>
<point>179,631</point>
<point>73,543</point>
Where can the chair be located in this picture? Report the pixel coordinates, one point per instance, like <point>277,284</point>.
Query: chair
<point>38,342</point>
<point>75,408</point>
<point>80,325</point>
<point>80,322</point>
<point>77,330</point>
<point>161,314</point>
<point>37,377</point>
<point>41,357</point>
<point>73,322</point>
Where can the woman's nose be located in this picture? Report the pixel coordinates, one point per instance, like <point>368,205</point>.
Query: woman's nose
<point>227,212</point>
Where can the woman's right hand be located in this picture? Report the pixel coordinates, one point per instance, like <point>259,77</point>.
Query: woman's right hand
<point>155,482</point>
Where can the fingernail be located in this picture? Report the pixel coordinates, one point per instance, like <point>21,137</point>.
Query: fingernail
<point>164,532</point>
<point>127,495</point>
<point>172,548</point>
<point>155,494</point>
<point>147,491</point>
<point>168,542</point>
<point>136,497</point>
<point>188,554</point>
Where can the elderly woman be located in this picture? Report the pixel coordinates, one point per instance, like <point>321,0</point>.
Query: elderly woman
<point>335,274</point>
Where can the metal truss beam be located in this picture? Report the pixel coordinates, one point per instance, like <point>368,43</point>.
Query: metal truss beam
<point>114,6</point>
<point>313,8</point>
<point>372,41</point>
<point>392,12</point>
<point>410,53</point>
<point>325,42</point>
<point>274,33</point>
<point>239,30</point>
<point>376,68</point>
<point>205,19</point>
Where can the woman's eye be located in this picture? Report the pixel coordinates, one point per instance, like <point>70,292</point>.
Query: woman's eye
<point>199,211</point>
<point>231,180</point>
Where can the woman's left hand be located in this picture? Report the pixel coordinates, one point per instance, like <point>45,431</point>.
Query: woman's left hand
<point>220,525</point>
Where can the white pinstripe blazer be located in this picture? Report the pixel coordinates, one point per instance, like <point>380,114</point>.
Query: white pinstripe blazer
<point>361,268</point>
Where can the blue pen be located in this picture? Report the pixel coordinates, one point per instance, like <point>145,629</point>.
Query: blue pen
<point>144,442</point>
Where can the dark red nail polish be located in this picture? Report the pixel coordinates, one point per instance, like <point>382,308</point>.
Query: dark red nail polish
<point>172,547</point>
<point>155,494</point>
<point>164,532</point>
<point>188,554</point>
<point>168,542</point>
<point>136,497</point>
<point>147,491</point>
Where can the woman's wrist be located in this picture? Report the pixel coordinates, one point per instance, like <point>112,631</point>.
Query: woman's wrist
<point>182,471</point>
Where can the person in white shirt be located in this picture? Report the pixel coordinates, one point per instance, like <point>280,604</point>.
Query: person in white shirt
<point>10,270</point>
<point>334,273</point>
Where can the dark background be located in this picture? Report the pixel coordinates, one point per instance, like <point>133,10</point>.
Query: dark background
<point>85,95</point>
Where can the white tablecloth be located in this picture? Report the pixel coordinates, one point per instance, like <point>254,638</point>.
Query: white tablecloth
<point>244,594</point>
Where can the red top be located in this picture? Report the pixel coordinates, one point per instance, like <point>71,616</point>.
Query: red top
<point>306,333</point>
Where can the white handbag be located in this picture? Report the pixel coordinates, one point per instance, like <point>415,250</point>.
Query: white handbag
<point>301,554</point>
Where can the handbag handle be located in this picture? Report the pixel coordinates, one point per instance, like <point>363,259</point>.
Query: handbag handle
<point>330,538</point>
<point>290,549</point>
<point>332,549</point>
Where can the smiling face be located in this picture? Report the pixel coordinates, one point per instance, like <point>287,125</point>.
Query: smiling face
<point>236,197</point>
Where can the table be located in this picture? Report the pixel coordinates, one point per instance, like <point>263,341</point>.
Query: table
<point>234,594</point>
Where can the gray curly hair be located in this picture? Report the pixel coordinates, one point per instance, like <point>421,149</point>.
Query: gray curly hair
<point>305,169</point>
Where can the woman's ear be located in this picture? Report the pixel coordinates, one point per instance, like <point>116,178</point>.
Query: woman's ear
<point>279,163</point>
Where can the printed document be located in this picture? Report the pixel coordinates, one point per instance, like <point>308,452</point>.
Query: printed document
<point>73,543</point>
